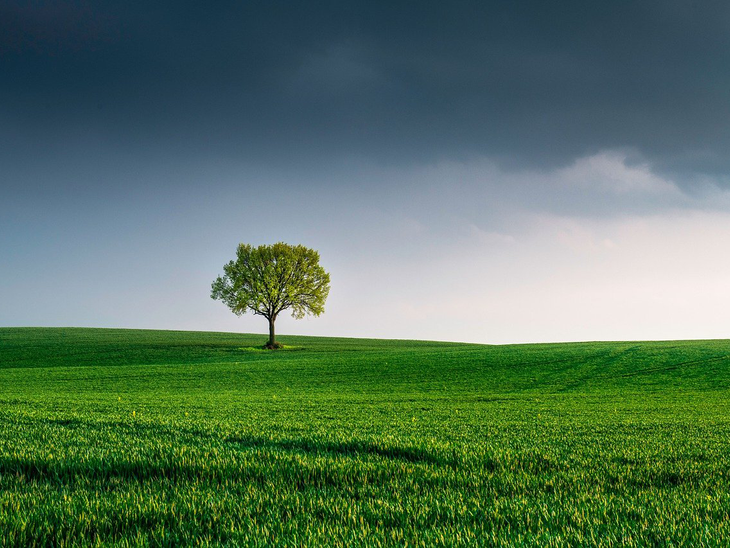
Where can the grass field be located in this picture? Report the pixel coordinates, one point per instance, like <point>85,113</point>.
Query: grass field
<point>134,437</point>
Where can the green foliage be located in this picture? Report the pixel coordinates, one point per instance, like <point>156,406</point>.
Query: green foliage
<point>272,278</point>
<point>124,437</point>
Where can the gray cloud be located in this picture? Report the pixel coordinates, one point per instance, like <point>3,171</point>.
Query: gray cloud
<point>526,84</point>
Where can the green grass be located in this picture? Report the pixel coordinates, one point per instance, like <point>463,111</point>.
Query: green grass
<point>128,437</point>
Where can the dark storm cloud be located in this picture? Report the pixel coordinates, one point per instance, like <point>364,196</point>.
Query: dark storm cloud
<point>524,83</point>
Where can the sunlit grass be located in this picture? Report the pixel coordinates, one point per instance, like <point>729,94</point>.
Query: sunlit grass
<point>138,437</point>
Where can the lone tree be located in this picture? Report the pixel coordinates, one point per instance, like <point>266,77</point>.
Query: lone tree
<point>272,278</point>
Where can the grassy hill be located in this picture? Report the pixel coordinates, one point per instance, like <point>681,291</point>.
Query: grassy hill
<point>130,437</point>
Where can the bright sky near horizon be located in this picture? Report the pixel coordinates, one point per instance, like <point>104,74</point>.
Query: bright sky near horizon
<point>485,172</point>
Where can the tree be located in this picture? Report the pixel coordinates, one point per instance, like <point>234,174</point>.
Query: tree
<point>269,279</point>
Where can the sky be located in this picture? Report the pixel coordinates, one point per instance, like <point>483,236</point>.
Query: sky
<point>492,172</point>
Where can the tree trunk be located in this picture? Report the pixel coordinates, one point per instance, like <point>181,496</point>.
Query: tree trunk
<point>272,336</point>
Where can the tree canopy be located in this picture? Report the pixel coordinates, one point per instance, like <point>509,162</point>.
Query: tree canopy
<point>268,279</point>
